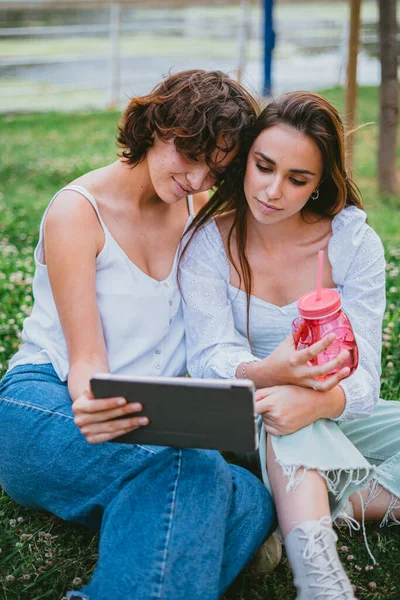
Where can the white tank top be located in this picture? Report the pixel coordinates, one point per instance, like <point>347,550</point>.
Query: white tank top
<point>141,317</point>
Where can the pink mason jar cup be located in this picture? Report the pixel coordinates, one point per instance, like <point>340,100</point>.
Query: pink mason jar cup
<point>318,317</point>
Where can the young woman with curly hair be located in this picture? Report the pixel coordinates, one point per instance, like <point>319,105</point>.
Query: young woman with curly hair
<point>174,524</point>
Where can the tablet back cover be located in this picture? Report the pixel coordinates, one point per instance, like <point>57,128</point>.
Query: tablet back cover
<point>187,416</point>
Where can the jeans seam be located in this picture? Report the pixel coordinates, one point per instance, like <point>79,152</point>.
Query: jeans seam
<point>377,456</point>
<point>146,448</point>
<point>40,409</point>
<point>171,516</point>
<point>54,412</point>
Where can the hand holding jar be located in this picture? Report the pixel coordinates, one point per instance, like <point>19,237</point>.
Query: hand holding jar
<point>320,314</point>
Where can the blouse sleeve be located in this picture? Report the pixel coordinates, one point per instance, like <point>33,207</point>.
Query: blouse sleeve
<point>358,268</point>
<point>214,346</point>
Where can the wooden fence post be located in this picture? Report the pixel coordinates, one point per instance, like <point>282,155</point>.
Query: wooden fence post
<point>351,83</point>
<point>115,59</point>
<point>387,159</point>
<point>242,38</point>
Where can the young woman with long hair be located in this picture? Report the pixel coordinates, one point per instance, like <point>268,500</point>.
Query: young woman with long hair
<point>329,447</point>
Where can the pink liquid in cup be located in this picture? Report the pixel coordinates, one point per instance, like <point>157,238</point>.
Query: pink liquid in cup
<point>320,314</point>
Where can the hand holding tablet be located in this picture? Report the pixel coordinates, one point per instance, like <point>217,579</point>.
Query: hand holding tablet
<point>187,413</point>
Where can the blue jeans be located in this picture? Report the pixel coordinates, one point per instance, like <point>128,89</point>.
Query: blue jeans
<point>174,524</point>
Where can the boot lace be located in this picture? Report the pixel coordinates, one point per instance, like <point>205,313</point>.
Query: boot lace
<point>330,580</point>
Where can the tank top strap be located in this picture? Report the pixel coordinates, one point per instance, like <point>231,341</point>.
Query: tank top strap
<point>81,190</point>
<point>190,205</point>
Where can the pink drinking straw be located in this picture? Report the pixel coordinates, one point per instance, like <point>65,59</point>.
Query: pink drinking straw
<point>319,274</point>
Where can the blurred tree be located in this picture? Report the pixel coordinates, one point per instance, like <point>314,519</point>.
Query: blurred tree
<point>351,78</point>
<point>387,176</point>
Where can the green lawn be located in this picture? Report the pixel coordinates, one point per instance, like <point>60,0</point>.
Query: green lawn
<point>40,556</point>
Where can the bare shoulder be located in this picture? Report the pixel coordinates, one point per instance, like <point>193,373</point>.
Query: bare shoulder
<point>317,220</point>
<point>72,216</point>
<point>71,207</point>
<point>200,200</point>
<point>224,224</point>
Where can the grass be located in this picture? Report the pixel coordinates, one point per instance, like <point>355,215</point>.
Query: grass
<point>41,556</point>
<point>134,45</point>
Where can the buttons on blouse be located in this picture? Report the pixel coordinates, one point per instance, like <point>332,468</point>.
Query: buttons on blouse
<point>167,297</point>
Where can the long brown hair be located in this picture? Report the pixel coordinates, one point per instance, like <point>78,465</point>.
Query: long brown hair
<point>312,115</point>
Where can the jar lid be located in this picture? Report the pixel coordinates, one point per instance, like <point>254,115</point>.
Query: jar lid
<point>311,308</point>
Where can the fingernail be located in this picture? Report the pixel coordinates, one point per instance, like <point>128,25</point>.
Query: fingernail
<point>121,402</point>
<point>143,420</point>
<point>136,407</point>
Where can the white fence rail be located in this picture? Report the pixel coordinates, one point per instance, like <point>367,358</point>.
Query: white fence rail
<point>132,48</point>
<point>113,29</point>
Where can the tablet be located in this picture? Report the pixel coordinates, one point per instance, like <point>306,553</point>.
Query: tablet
<point>187,413</point>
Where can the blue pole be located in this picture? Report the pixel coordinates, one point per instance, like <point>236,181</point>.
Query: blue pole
<point>269,44</point>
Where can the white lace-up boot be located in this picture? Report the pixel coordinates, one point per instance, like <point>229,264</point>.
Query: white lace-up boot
<point>317,570</point>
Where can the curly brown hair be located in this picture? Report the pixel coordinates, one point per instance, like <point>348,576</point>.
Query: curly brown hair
<point>202,111</point>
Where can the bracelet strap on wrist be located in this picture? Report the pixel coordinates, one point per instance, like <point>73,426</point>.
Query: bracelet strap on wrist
<point>244,368</point>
